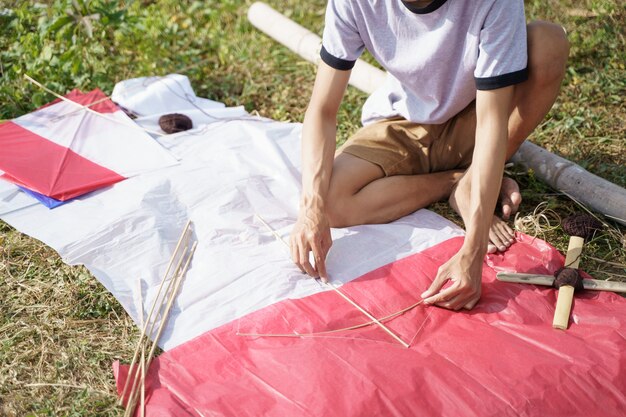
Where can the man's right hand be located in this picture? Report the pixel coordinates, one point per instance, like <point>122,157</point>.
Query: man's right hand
<point>311,234</point>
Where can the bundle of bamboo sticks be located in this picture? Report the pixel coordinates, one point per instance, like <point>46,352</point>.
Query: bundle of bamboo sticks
<point>153,325</point>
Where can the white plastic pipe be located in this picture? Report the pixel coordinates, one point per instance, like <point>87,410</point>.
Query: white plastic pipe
<point>307,44</point>
<point>559,173</point>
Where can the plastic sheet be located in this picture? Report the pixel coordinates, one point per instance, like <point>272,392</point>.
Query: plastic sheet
<point>233,166</point>
<point>500,359</point>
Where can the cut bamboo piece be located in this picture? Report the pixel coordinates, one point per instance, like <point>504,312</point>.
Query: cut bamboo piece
<point>548,280</point>
<point>149,319</point>
<point>345,297</point>
<point>566,292</point>
<point>563,307</point>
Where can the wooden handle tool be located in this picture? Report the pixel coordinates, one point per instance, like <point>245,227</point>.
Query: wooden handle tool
<point>566,292</point>
<point>548,280</point>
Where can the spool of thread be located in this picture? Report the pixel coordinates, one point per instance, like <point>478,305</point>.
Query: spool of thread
<point>568,276</point>
<point>581,224</point>
<point>174,123</point>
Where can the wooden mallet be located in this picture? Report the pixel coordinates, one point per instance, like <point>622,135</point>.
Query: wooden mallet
<point>568,279</point>
<point>579,227</point>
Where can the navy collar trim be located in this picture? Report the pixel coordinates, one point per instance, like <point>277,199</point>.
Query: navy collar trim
<point>434,5</point>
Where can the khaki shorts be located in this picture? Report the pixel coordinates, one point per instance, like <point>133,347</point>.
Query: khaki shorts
<point>401,147</point>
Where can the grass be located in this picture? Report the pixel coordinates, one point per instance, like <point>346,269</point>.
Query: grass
<point>60,329</point>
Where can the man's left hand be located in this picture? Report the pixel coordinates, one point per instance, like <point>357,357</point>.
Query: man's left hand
<point>465,272</point>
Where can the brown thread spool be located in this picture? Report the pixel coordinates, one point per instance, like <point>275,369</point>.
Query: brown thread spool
<point>568,276</point>
<point>174,123</point>
<point>581,224</point>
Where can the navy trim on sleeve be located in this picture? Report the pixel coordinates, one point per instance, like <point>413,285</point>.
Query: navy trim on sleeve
<point>500,81</point>
<point>336,63</point>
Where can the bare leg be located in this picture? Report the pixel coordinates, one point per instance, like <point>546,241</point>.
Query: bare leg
<point>547,55</point>
<point>359,192</point>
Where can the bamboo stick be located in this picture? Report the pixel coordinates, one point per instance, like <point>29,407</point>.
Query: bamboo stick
<point>341,294</point>
<point>104,116</point>
<point>368,315</point>
<point>172,296</point>
<point>154,304</point>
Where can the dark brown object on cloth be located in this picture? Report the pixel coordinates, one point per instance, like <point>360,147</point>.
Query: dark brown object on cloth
<point>174,123</point>
<point>581,224</point>
<point>568,276</point>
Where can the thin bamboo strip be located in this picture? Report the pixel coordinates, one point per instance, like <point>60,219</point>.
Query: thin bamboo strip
<point>63,116</point>
<point>104,116</point>
<point>341,294</point>
<point>172,296</point>
<point>136,370</point>
<point>142,406</point>
<point>154,304</point>
<point>325,332</point>
<point>368,315</point>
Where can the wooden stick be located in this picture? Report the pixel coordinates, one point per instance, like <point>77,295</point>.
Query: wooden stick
<point>325,332</point>
<point>142,406</point>
<point>104,116</point>
<point>345,297</point>
<point>63,116</point>
<point>166,294</point>
<point>154,304</point>
<point>172,296</point>
<point>548,280</point>
<point>368,315</point>
<point>566,292</point>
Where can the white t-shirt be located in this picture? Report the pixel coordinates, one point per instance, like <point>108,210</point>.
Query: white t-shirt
<point>436,56</point>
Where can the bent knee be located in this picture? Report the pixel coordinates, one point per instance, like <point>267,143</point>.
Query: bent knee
<point>338,213</point>
<point>548,50</point>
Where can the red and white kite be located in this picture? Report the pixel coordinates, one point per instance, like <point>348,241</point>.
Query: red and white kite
<point>62,151</point>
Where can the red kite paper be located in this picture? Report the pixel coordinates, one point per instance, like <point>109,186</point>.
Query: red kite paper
<point>503,358</point>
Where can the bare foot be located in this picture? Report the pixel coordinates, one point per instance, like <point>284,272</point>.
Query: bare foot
<point>501,236</point>
<point>510,197</point>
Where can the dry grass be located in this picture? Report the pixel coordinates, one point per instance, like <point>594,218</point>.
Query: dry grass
<point>60,329</point>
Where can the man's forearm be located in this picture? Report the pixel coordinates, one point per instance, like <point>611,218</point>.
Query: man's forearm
<point>492,109</point>
<point>318,149</point>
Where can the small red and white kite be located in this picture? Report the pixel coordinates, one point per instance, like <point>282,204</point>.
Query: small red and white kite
<point>62,151</point>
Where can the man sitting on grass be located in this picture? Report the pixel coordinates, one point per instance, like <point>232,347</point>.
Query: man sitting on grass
<point>468,82</point>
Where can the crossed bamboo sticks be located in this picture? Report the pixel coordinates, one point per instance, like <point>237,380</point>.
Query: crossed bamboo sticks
<point>340,293</point>
<point>135,381</point>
